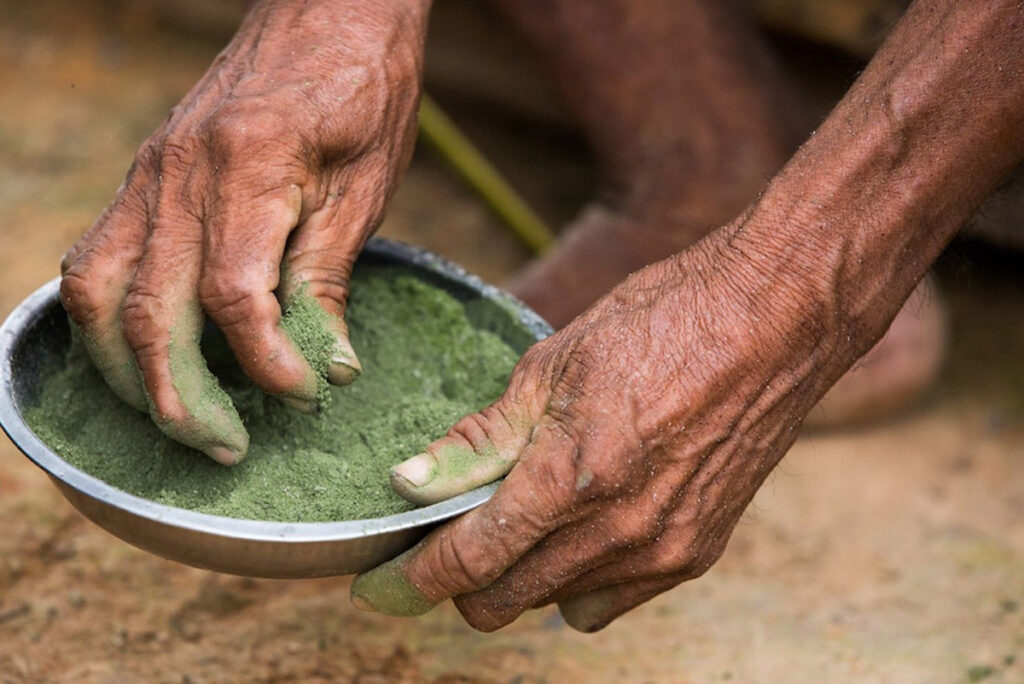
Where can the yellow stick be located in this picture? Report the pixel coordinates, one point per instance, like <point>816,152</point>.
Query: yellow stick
<point>456,149</point>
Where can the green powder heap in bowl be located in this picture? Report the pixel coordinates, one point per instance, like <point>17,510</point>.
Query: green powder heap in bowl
<point>426,363</point>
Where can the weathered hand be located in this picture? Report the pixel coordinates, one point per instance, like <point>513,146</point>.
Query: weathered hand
<point>633,440</point>
<point>269,176</point>
<point>635,437</point>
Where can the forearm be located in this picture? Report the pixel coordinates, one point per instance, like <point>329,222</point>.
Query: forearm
<point>871,199</point>
<point>416,9</point>
<point>338,27</point>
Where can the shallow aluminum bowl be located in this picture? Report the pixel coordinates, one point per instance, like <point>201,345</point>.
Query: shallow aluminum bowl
<point>36,336</point>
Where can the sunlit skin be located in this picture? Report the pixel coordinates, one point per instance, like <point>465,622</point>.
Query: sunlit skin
<point>272,172</point>
<point>631,440</point>
<point>688,117</point>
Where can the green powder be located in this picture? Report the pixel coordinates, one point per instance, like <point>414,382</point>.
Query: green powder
<point>308,325</point>
<point>425,365</point>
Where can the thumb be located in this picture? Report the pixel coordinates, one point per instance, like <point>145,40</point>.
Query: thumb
<point>471,551</point>
<point>479,449</point>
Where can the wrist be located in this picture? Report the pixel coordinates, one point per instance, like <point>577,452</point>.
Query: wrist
<point>854,220</point>
<point>331,17</point>
<point>331,47</point>
<point>785,291</point>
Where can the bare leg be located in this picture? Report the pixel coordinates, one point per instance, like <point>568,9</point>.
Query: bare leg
<point>688,117</point>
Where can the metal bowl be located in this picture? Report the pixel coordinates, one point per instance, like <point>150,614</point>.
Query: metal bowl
<point>36,336</point>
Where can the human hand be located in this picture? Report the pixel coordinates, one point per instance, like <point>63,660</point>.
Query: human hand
<point>267,179</point>
<point>635,437</point>
<point>633,441</point>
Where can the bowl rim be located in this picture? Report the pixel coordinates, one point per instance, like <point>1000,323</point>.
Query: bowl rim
<point>35,449</point>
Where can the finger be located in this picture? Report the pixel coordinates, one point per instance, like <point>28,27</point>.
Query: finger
<point>162,323</point>
<point>596,610</point>
<point>618,529</point>
<point>685,546</point>
<point>96,273</point>
<point>469,553</point>
<point>320,257</point>
<point>246,229</point>
<point>551,564</point>
<point>479,449</point>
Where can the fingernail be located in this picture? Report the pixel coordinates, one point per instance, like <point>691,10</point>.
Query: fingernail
<point>301,404</point>
<point>340,372</point>
<point>224,455</point>
<point>344,367</point>
<point>385,589</point>
<point>361,603</point>
<point>416,471</point>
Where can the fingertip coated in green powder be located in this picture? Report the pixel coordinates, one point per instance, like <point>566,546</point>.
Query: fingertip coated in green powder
<point>425,365</point>
<point>310,328</point>
<point>388,590</point>
<point>216,419</point>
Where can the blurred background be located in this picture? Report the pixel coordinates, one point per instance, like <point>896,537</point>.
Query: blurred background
<point>894,552</point>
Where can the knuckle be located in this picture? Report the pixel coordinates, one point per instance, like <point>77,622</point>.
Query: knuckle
<point>229,300</point>
<point>334,293</point>
<point>698,567</point>
<point>239,131</point>
<point>611,463</point>
<point>83,296</point>
<point>552,488</point>
<point>477,429</point>
<point>529,385</point>
<point>68,259</point>
<point>572,378</point>
<point>541,513</point>
<point>142,320</point>
<point>130,206</point>
<point>145,161</point>
<point>497,421</point>
<point>459,570</point>
<point>668,559</point>
<point>701,561</point>
<point>674,557</point>
<point>168,411</point>
<point>632,529</point>
<point>328,281</point>
<point>90,276</point>
<point>534,362</point>
<point>177,154</point>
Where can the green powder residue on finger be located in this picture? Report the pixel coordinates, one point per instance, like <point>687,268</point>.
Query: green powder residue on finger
<point>309,327</point>
<point>425,365</point>
<point>215,420</point>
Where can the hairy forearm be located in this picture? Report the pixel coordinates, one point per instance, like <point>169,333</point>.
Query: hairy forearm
<point>870,200</point>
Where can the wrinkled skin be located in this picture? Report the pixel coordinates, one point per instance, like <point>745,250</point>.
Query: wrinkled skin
<point>640,432</point>
<point>268,177</point>
<point>687,116</point>
<point>634,438</point>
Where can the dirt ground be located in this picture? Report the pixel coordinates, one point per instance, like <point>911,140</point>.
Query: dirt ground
<point>893,553</point>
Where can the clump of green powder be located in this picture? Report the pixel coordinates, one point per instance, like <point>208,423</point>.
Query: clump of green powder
<point>309,327</point>
<point>425,365</point>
